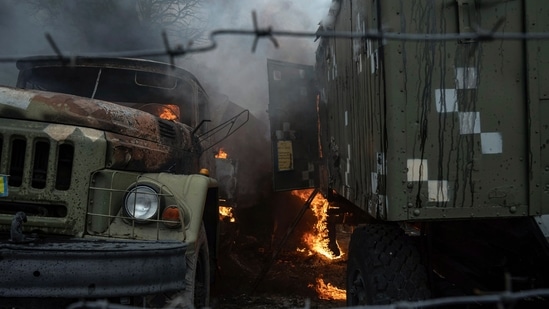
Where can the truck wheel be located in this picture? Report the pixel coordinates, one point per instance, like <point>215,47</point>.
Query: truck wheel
<point>197,290</point>
<point>200,284</point>
<point>384,267</point>
<point>202,275</point>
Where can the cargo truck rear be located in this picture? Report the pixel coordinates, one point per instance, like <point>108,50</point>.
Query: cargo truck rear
<point>438,137</point>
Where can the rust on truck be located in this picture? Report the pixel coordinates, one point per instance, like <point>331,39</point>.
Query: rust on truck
<point>135,135</point>
<point>107,190</point>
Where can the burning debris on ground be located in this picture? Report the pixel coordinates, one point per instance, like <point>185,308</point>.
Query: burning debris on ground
<point>303,269</point>
<point>275,250</point>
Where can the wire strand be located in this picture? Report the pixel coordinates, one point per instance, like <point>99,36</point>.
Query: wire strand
<point>268,33</point>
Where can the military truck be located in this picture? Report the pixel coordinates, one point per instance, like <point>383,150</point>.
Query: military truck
<point>107,188</point>
<point>434,140</point>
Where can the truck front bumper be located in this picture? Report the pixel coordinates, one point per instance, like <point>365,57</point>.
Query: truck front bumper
<point>91,268</point>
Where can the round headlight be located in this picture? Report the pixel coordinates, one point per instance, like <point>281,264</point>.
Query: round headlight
<point>142,203</point>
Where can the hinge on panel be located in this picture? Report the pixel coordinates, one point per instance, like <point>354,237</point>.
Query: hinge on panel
<point>467,18</point>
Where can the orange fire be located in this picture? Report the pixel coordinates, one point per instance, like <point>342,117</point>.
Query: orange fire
<point>168,113</point>
<point>304,250</point>
<point>226,213</point>
<point>221,154</point>
<point>318,241</point>
<point>328,291</point>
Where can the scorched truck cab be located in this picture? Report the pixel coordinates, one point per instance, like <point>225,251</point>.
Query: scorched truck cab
<point>106,191</point>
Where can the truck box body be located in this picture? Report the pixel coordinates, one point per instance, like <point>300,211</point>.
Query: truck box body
<point>432,136</point>
<point>437,129</point>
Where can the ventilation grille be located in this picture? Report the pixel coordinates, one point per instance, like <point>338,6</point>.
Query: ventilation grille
<point>167,129</point>
<point>38,158</point>
<point>33,209</point>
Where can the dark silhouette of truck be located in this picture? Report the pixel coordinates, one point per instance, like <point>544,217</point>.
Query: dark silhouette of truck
<point>434,144</point>
<point>107,188</point>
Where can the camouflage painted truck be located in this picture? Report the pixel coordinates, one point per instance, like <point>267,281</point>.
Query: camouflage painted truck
<point>440,147</point>
<point>105,186</point>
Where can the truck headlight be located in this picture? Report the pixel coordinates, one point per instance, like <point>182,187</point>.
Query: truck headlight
<point>141,203</point>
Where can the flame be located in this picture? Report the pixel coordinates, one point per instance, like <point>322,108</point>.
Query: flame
<point>226,212</point>
<point>329,292</point>
<point>167,113</point>
<point>318,240</point>
<point>221,154</point>
<point>305,250</point>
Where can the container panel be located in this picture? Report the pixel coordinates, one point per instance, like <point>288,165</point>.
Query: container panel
<point>427,130</point>
<point>538,98</point>
<point>465,134</point>
<point>293,124</point>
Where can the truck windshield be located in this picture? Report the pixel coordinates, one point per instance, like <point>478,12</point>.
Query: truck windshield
<point>163,95</point>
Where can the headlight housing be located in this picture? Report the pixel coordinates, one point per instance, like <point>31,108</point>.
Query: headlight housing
<point>141,203</point>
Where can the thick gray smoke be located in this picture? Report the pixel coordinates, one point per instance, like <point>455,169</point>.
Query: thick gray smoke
<point>88,26</point>
<point>233,69</point>
<point>17,36</point>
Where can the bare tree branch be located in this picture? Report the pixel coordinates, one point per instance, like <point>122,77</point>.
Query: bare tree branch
<point>122,24</point>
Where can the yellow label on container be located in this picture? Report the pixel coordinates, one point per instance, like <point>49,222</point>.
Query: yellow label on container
<point>285,156</point>
<point>3,185</point>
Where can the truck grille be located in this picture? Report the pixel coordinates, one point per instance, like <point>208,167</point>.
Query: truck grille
<point>34,209</point>
<point>16,165</point>
<point>38,167</point>
<point>167,129</point>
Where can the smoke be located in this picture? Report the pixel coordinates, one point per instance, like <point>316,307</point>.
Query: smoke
<point>93,26</point>
<point>233,69</point>
<point>17,36</point>
<point>88,26</point>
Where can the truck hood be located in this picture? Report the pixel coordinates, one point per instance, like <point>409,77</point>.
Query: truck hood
<point>78,111</point>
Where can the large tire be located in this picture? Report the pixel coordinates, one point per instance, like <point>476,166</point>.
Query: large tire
<point>384,267</point>
<point>197,291</point>
<point>201,280</point>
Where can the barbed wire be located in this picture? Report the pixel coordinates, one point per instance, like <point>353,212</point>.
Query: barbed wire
<point>502,300</point>
<point>479,35</point>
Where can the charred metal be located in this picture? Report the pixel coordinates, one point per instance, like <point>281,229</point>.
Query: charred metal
<point>104,193</point>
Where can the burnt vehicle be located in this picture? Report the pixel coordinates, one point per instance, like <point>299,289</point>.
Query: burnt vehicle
<point>108,190</point>
<point>435,143</point>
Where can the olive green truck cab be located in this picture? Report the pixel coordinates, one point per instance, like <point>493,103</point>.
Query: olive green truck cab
<point>105,188</point>
<point>433,135</point>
